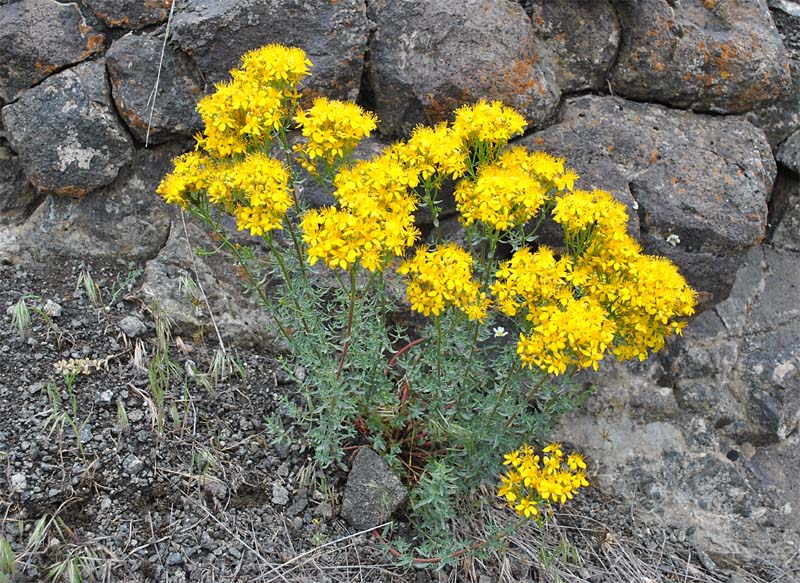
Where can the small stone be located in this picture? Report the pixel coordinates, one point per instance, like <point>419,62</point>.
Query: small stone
<point>174,559</point>
<point>235,553</point>
<point>280,495</point>
<point>706,561</point>
<point>19,482</point>
<point>132,326</point>
<point>52,309</point>
<point>132,465</point>
<point>135,415</point>
<point>372,492</point>
<point>104,397</point>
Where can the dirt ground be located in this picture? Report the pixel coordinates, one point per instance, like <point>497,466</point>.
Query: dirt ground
<point>161,468</point>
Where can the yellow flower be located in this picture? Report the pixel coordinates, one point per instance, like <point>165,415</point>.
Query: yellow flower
<point>576,461</point>
<point>442,278</point>
<point>332,129</point>
<point>527,508</point>
<point>500,197</point>
<point>491,123</point>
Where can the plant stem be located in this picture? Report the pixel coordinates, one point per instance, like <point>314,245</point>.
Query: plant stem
<point>350,313</point>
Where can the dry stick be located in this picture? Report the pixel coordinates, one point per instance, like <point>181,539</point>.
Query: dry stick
<point>328,544</point>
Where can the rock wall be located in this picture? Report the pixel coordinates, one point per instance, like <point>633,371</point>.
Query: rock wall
<point>689,112</point>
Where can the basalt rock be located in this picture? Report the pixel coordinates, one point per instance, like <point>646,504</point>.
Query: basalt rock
<point>124,221</point>
<point>68,138</point>
<point>133,63</point>
<point>579,40</point>
<point>132,14</point>
<point>700,183</point>
<point>428,57</point>
<point>39,37</point>
<point>722,56</point>
<point>333,34</point>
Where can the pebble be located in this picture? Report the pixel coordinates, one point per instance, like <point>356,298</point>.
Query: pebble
<point>132,326</point>
<point>52,309</point>
<point>19,482</point>
<point>135,415</point>
<point>132,465</point>
<point>280,495</point>
<point>174,558</point>
<point>104,397</point>
<point>706,561</point>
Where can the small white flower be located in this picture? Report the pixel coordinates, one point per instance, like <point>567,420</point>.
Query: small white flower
<point>673,239</point>
<point>635,205</point>
<point>499,332</point>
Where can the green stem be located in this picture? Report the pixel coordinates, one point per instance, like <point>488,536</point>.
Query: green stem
<point>349,330</point>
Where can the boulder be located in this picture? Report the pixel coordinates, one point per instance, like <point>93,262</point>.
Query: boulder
<point>577,39</point>
<point>333,34</point>
<point>695,437</point>
<point>17,197</point>
<point>785,205</point>
<point>239,317</point>
<point>38,37</point>
<point>428,57</point>
<point>124,221</point>
<point>133,66</point>
<point>781,118</point>
<point>721,56</point>
<point>700,183</point>
<point>789,153</point>
<point>131,14</point>
<point>65,131</point>
<point>372,492</point>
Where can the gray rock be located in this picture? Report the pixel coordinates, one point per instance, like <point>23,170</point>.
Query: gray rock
<point>125,220</point>
<point>783,117</point>
<point>238,316</point>
<point>704,179</point>
<point>720,56</point>
<point>333,34</point>
<point>18,482</point>
<point>372,492</point>
<point>38,37</point>
<point>789,152</point>
<point>280,495</point>
<point>17,197</point>
<point>577,39</point>
<point>428,57</point>
<point>174,559</point>
<point>131,14</point>
<point>67,136</point>
<point>133,62</point>
<point>132,326</point>
<point>786,212</point>
<point>132,465</point>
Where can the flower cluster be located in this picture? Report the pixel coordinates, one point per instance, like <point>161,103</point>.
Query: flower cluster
<point>602,295</point>
<point>375,217</point>
<point>441,278</point>
<point>332,129</point>
<point>532,483</point>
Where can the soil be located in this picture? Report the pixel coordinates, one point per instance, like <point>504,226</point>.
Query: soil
<point>195,491</point>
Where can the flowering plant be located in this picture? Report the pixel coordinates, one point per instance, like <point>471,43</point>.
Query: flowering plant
<point>440,399</point>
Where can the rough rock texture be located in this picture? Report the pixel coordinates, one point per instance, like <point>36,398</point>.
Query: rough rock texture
<point>333,34</point>
<point>124,221</point>
<point>789,153</point>
<point>699,442</point>
<point>427,57</point>
<point>133,62</point>
<point>781,118</point>
<point>704,179</point>
<point>130,13</point>
<point>16,195</point>
<point>372,493</point>
<point>707,55</point>
<point>785,207</point>
<point>38,37</point>
<point>240,319</point>
<point>578,40</point>
<point>67,136</point>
